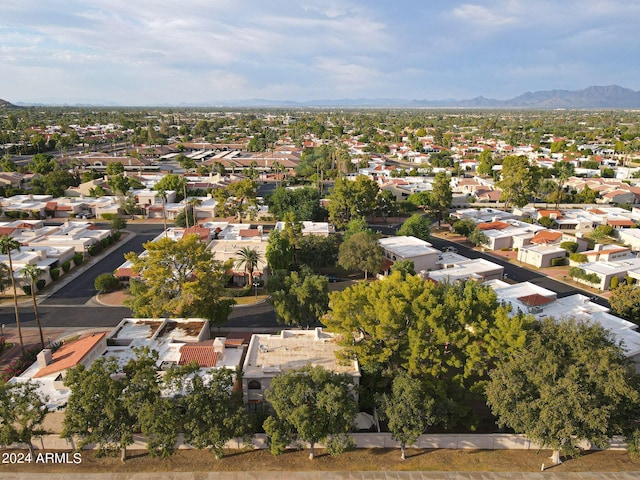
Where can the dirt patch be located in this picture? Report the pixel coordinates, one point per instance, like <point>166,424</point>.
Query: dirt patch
<point>359,460</point>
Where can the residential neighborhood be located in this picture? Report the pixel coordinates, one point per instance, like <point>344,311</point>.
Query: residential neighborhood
<point>238,260</point>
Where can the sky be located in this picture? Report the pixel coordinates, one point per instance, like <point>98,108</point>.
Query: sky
<point>154,52</point>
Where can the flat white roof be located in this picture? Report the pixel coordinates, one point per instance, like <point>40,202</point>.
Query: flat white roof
<point>269,355</point>
<point>407,247</point>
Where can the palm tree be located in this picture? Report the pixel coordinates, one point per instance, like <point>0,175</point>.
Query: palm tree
<point>249,257</point>
<point>32,273</point>
<point>6,245</point>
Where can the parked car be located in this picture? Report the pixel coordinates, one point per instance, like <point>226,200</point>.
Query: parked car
<point>333,278</point>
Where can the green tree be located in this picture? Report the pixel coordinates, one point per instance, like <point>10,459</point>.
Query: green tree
<point>547,222</point>
<point>568,383</point>
<point>7,244</point>
<point>408,410</point>
<point>361,251</point>
<point>441,196</point>
<point>421,200</point>
<point>213,413</point>
<point>310,404</point>
<point>238,199</point>
<point>516,181</point>
<point>356,225</point>
<point>160,421</point>
<point>416,225</point>
<point>32,273</point>
<point>43,164</point>
<point>115,168</point>
<point>317,252</point>
<point>464,227</point>
<point>485,163</point>
<point>119,184</point>
<point>299,298</point>
<point>249,259</point>
<point>478,237</point>
<point>625,302</point>
<point>386,204</point>
<point>352,199</point>
<point>22,412</point>
<point>106,282</point>
<point>177,278</point>
<point>173,183</point>
<point>118,223</point>
<point>405,267</point>
<point>450,335</point>
<point>304,203</point>
<point>279,253</point>
<point>96,413</point>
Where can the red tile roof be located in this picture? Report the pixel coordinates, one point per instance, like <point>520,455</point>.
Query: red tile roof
<point>7,230</point>
<point>497,225</point>
<point>621,223</point>
<point>251,232</point>
<point>201,353</point>
<point>546,236</point>
<point>71,354</point>
<point>202,232</point>
<point>535,300</point>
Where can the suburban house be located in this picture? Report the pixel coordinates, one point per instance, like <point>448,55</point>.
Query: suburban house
<point>178,341</point>
<point>630,237</point>
<point>540,256</point>
<point>478,269</point>
<point>421,253</point>
<point>529,298</point>
<point>607,270</point>
<point>270,355</point>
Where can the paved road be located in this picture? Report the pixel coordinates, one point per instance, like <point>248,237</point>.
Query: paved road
<point>81,289</point>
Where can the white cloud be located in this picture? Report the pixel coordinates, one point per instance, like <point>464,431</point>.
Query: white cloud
<point>480,15</point>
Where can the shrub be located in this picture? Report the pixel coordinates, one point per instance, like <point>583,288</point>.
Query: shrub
<point>106,282</point>
<point>557,262</point>
<point>41,283</point>
<point>95,249</point>
<point>571,247</point>
<point>578,258</point>
<point>66,266</point>
<point>105,242</point>
<point>614,283</point>
<point>630,280</point>
<point>338,444</point>
<point>55,273</point>
<point>26,289</point>
<point>547,222</point>
<point>78,258</point>
<point>116,236</point>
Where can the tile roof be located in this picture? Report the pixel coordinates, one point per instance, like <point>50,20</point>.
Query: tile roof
<point>546,236</point>
<point>621,223</point>
<point>535,300</point>
<point>497,225</point>
<point>201,353</point>
<point>251,232</point>
<point>202,232</point>
<point>71,354</point>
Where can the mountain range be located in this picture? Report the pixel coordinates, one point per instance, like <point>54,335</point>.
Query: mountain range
<point>594,97</point>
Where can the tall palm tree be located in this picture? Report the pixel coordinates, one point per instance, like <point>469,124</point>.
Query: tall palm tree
<point>32,273</point>
<point>249,258</point>
<point>6,245</point>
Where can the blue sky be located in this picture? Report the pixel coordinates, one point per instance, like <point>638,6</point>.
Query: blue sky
<point>146,52</point>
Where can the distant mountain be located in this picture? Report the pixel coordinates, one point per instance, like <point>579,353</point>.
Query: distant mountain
<point>612,96</point>
<point>5,104</point>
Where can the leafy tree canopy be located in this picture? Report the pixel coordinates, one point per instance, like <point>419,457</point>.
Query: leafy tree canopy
<point>310,404</point>
<point>569,382</point>
<point>177,278</point>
